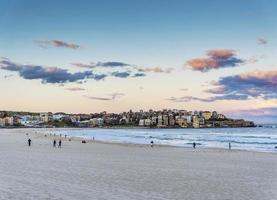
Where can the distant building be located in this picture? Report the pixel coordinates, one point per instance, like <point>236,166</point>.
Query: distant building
<point>141,122</point>
<point>201,121</point>
<point>154,120</point>
<point>214,115</point>
<point>147,122</point>
<point>44,117</point>
<point>165,120</point>
<point>160,120</point>
<point>221,116</point>
<point>9,121</point>
<point>207,115</point>
<point>195,121</point>
<point>58,117</point>
<point>2,122</point>
<point>188,118</point>
<point>171,120</point>
<point>181,122</point>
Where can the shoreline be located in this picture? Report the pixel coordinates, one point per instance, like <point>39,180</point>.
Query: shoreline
<point>126,127</point>
<point>91,141</point>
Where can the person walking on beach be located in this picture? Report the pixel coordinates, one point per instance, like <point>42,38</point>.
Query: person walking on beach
<point>230,147</point>
<point>29,142</point>
<point>194,145</point>
<point>60,144</point>
<point>54,143</point>
<point>151,143</point>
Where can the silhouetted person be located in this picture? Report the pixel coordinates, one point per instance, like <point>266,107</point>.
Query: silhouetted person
<point>29,142</point>
<point>60,143</point>
<point>151,143</point>
<point>194,145</point>
<point>54,143</point>
<point>230,147</point>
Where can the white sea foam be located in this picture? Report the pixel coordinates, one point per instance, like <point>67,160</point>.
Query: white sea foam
<point>257,139</point>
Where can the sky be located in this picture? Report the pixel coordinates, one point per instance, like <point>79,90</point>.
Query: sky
<point>90,56</point>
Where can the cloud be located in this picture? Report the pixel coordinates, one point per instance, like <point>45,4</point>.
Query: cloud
<point>261,41</point>
<point>48,74</point>
<point>184,89</point>
<point>259,115</point>
<point>187,99</point>
<point>75,89</point>
<point>208,99</point>
<point>139,75</point>
<point>111,97</point>
<point>116,95</point>
<point>155,69</point>
<point>216,58</point>
<point>255,84</point>
<point>109,64</point>
<point>82,65</point>
<point>112,64</point>
<point>120,74</point>
<point>57,43</point>
<point>98,98</point>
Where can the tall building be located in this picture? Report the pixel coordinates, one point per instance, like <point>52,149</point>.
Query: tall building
<point>160,120</point>
<point>165,120</point>
<point>195,121</point>
<point>171,120</point>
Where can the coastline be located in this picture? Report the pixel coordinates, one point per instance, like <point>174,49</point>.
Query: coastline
<point>35,133</point>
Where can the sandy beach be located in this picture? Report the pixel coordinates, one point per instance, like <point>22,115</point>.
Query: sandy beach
<point>118,171</point>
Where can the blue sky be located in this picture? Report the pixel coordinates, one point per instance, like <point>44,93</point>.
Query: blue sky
<point>144,34</point>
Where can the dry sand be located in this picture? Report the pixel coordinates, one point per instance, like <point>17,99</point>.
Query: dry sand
<point>112,171</point>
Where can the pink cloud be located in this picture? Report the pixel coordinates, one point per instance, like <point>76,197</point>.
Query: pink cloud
<point>216,58</point>
<point>221,53</point>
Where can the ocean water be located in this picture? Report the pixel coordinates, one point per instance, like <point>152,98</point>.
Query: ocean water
<point>255,139</point>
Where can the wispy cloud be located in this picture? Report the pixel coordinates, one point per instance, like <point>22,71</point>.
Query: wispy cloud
<point>98,98</point>
<point>261,41</point>
<point>75,89</point>
<point>155,69</point>
<point>116,95</point>
<point>83,65</point>
<point>187,99</point>
<point>57,43</point>
<point>109,97</point>
<point>48,74</point>
<point>109,64</point>
<point>184,89</point>
<point>216,58</point>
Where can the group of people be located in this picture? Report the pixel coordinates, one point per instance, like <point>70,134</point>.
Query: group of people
<point>54,143</point>
<point>59,144</point>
